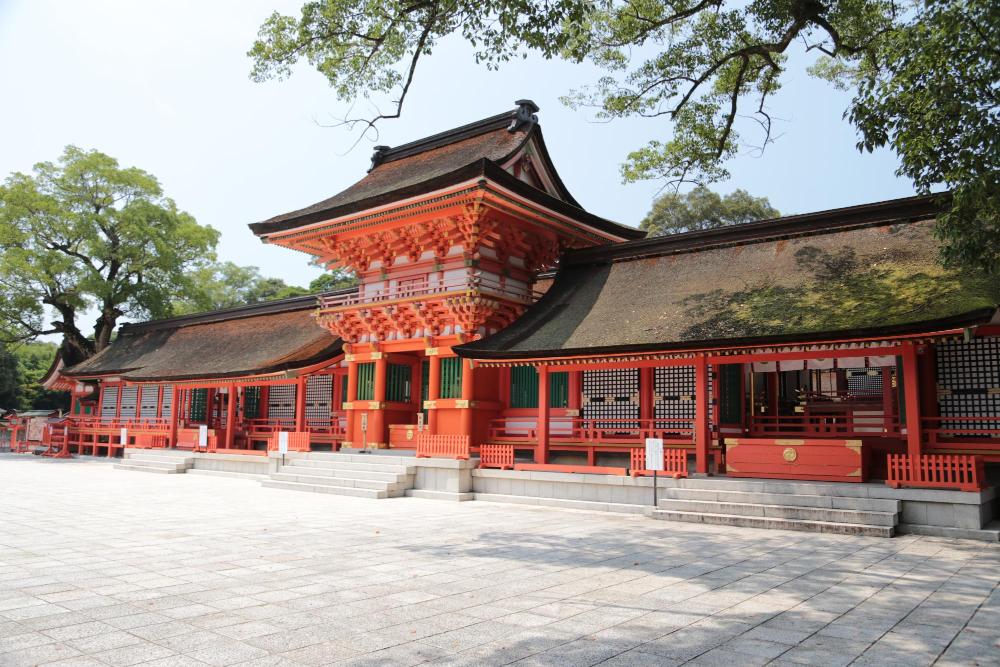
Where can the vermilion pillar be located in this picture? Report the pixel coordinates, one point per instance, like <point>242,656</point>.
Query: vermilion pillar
<point>542,448</point>
<point>433,391</point>
<point>645,393</point>
<point>376,417</point>
<point>702,432</point>
<point>468,383</point>
<point>231,417</point>
<point>911,393</point>
<point>353,429</point>
<point>175,414</point>
<point>300,404</point>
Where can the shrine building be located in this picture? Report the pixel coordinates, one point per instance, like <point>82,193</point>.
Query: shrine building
<point>500,323</point>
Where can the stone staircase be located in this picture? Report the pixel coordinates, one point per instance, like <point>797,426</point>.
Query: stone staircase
<point>359,475</point>
<point>162,461</point>
<point>780,506</point>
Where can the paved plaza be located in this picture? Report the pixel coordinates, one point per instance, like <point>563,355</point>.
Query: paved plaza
<point>103,567</point>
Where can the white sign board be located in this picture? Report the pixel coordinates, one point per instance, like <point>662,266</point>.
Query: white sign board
<point>654,453</point>
<point>283,442</point>
<point>364,421</point>
<point>420,421</point>
<point>124,437</point>
<point>203,436</point>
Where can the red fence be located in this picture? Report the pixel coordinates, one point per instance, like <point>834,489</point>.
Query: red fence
<point>447,446</point>
<point>845,425</point>
<point>496,456</point>
<point>675,462</point>
<point>594,431</point>
<point>298,441</point>
<point>937,471</point>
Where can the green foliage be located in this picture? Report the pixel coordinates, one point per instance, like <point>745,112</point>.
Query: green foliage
<point>22,368</point>
<point>924,75</point>
<point>703,209</point>
<point>225,285</point>
<point>931,93</point>
<point>84,233</point>
<point>333,280</point>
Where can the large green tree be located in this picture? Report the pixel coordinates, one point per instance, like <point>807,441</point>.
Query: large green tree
<point>923,76</point>
<point>84,234</point>
<point>224,285</point>
<point>702,208</point>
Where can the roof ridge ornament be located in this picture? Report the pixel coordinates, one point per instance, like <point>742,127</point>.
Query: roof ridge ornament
<point>379,155</point>
<point>524,115</point>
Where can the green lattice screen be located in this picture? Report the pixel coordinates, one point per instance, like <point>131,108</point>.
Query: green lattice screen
<point>199,404</point>
<point>366,381</point>
<point>451,377</point>
<point>398,381</point>
<point>251,402</point>
<point>730,393</point>
<point>524,388</point>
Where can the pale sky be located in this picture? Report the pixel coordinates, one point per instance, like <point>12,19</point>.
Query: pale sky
<point>163,85</point>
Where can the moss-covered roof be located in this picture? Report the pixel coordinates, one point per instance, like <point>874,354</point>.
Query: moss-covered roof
<point>878,277</point>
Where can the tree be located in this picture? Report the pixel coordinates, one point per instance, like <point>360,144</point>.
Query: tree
<point>33,362</point>
<point>86,233</point>
<point>924,75</point>
<point>333,280</point>
<point>226,285</point>
<point>10,380</point>
<point>703,209</point>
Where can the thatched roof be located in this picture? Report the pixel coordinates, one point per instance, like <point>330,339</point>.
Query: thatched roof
<point>867,270</point>
<point>251,340</point>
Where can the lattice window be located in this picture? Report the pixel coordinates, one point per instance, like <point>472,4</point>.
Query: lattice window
<point>251,402</point>
<point>109,403</point>
<point>864,382</point>
<point>559,390</point>
<point>149,398</point>
<point>969,380</point>
<point>398,383</point>
<point>130,402</point>
<point>199,405</point>
<point>673,392</point>
<point>523,387</point>
<point>168,401</point>
<point>319,397</point>
<point>731,393</point>
<point>451,377</point>
<point>611,394</point>
<point>366,381</point>
<point>281,402</point>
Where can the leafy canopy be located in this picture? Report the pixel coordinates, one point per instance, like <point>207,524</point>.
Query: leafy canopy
<point>86,234</point>
<point>923,74</point>
<point>701,208</point>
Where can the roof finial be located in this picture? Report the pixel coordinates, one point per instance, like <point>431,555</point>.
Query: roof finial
<point>377,156</point>
<point>524,115</point>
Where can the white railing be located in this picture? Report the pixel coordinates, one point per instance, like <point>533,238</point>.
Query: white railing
<point>424,287</point>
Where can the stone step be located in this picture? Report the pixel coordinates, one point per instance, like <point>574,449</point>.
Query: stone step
<point>387,474</point>
<point>380,485</point>
<point>179,466</point>
<point>795,487</point>
<point>142,468</point>
<point>797,499</point>
<point>781,511</point>
<point>350,465</point>
<point>828,527</point>
<point>988,533</point>
<point>132,452</point>
<point>334,490</point>
<point>347,457</point>
<point>226,473</point>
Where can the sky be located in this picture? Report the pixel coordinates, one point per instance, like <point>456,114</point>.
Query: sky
<point>163,85</point>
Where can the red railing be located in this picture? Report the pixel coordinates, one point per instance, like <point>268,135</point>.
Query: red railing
<point>594,431</point>
<point>298,441</point>
<point>406,290</point>
<point>974,433</point>
<point>447,446</point>
<point>496,456</point>
<point>846,425</point>
<point>937,471</point>
<point>675,462</point>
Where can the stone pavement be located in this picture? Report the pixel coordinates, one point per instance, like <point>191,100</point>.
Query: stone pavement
<point>99,567</point>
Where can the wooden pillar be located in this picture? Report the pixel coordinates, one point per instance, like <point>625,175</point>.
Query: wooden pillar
<point>575,390</point>
<point>376,417</point>
<point>542,446</point>
<point>433,392</point>
<point>645,393</point>
<point>175,415</point>
<point>468,391</point>
<point>702,432</point>
<point>230,417</point>
<point>353,435</point>
<point>300,404</point>
<point>911,393</point>
<point>118,404</point>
